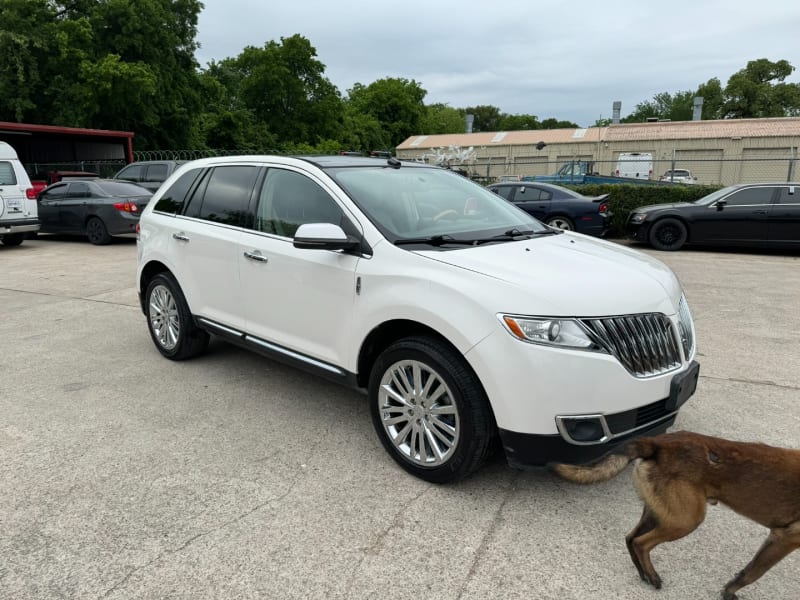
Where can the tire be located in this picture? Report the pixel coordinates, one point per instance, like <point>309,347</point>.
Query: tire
<point>13,239</point>
<point>96,232</point>
<point>169,321</point>
<point>440,443</point>
<point>668,234</point>
<point>561,222</point>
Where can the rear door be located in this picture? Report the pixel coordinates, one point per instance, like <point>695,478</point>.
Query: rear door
<point>207,240</point>
<point>784,217</point>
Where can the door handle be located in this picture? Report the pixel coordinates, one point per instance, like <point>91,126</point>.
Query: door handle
<point>759,212</point>
<point>182,237</point>
<point>256,255</point>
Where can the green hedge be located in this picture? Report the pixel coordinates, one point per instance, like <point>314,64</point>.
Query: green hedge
<point>625,197</point>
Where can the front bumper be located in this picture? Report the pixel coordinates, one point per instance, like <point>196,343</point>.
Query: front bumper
<point>531,450</point>
<point>637,232</point>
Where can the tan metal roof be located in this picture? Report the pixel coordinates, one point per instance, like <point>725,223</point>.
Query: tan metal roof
<point>665,130</point>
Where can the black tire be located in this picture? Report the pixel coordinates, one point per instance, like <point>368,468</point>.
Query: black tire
<point>96,232</point>
<point>169,321</point>
<point>13,239</point>
<point>561,222</point>
<point>458,421</point>
<point>668,234</point>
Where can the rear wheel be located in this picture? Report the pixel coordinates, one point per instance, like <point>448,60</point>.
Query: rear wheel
<point>170,323</point>
<point>13,239</point>
<point>668,234</point>
<point>429,410</point>
<point>96,232</point>
<point>561,222</point>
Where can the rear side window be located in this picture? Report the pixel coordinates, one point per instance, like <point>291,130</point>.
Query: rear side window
<point>174,198</point>
<point>226,198</point>
<point>156,172</point>
<point>789,195</point>
<point>131,173</point>
<point>7,175</point>
<point>504,191</point>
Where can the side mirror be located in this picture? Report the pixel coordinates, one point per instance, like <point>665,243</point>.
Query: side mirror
<point>323,236</point>
<point>721,204</point>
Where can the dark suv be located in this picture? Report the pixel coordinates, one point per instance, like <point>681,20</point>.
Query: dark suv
<point>149,174</point>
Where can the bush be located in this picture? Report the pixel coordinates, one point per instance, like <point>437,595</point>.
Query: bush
<point>623,198</point>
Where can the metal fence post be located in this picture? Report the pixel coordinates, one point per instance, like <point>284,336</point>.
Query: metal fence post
<point>792,158</point>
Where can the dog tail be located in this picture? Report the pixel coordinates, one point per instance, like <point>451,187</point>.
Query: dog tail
<point>610,465</point>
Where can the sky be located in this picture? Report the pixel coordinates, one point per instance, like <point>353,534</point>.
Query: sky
<point>549,58</point>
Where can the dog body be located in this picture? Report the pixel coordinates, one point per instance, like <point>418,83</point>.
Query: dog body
<point>677,474</point>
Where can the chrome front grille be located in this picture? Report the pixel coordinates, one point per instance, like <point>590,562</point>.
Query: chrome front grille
<point>646,345</point>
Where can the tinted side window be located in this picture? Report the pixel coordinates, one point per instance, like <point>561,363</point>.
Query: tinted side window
<point>78,190</point>
<point>175,197</point>
<point>749,196</point>
<point>156,172</point>
<point>7,175</point>
<point>288,200</point>
<point>528,194</point>
<point>789,195</point>
<point>131,173</point>
<point>56,192</point>
<point>504,191</point>
<point>227,195</point>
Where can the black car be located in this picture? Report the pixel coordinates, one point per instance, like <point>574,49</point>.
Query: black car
<point>558,206</point>
<point>98,209</point>
<point>752,214</point>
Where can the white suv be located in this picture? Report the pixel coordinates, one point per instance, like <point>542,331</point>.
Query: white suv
<point>465,319</point>
<point>19,213</point>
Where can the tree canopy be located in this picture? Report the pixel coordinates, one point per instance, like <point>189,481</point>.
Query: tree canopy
<point>130,65</point>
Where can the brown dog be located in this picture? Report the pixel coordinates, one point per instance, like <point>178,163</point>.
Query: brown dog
<point>677,473</point>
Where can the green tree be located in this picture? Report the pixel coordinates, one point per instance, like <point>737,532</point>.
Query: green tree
<point>518,122</point>
<point>713,99</point>
<point>395,103</point>
<point>759,90</point>
<point>441,118</point>
<point>487,117</point>
<point>677,107</point>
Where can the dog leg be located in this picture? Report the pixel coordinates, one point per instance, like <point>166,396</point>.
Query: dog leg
<point>646,523</point>
<point>779,543</point>
<point>677,513</point>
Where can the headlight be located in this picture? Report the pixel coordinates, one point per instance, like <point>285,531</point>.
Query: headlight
<point>564,333</point>
<point>638,218</point>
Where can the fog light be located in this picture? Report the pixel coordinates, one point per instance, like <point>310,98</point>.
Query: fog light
<point>584,429</point>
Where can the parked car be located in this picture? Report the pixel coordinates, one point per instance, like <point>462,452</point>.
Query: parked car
<point>98,209</point>
<point>149,174</point>
<point>18,211</point>
<point>752,214</point>
<point>462,317</point>
<point>678,176</point>
<point>559,206</point>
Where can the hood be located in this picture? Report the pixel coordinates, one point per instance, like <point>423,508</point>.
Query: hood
<point>567,275</point>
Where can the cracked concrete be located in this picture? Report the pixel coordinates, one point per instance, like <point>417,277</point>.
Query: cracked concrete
<point>124,475</point>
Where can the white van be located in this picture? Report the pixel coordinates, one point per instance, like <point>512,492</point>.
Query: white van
<point>19,213</point>
<point>634,165</point>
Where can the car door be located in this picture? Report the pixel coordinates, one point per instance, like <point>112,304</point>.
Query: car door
<point>533,200</point>
<point>206,241</point>
<point>297,299</point>
<point>739,217</point>
<point>50,207</point>
<point>784,217</point>
<point>76,205</point>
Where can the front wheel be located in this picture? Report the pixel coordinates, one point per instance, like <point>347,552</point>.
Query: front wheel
<point>170,322</point>
<point>13,239</point>
<point>668,234</point>
<point>430,410</point>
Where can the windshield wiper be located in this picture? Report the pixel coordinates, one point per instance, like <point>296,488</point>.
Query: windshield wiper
<point>434,240</point>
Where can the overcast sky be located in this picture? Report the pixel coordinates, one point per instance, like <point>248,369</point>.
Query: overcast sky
<point>549,58</point>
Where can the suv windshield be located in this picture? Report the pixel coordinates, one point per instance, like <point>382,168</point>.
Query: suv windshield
<point>413,203</point>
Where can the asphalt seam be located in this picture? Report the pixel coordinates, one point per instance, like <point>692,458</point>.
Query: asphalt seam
<point>763,382</point>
